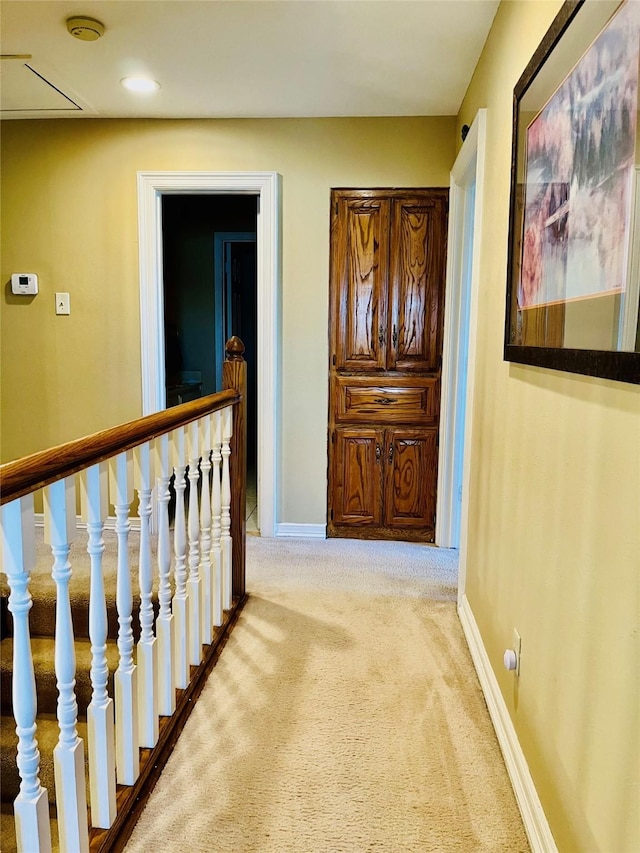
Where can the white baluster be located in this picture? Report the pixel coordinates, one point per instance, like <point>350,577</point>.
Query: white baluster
<point>165,623</point>
<point>180,598</point>
<point>204,425</point>
<point>94,488</point>
<point>216,549</point>
<point>225,534</point>
<point>31,806</point>
<point>68,755</point>
<point>125,679</point>
<point>194,584</point>
<point>147,650</point>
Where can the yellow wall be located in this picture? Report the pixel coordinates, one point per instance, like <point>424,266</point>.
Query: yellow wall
<point>554,545</point>
<point>69,213</point>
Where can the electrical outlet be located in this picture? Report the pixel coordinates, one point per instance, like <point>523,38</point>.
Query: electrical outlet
<point>63,305</point>
<point>517,648</point>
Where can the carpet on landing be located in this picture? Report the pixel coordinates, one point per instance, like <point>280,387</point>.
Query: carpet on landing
<point>343,716</point>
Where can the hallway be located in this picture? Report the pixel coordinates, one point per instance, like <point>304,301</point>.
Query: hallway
<point>344,715</point>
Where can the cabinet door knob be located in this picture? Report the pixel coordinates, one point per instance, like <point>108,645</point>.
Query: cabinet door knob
<point>390,453</point>
<point>381,335</point>
<point>378,452</point>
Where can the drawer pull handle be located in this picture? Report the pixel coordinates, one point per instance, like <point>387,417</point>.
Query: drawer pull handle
<point>385,401</point>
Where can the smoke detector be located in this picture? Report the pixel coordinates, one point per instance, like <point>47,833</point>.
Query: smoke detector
<point>86,29</point>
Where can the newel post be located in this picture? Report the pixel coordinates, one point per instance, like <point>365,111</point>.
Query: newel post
<point>234,375</point>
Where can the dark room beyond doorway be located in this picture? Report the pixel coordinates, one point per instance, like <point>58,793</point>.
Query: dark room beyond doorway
<point>210,293</point>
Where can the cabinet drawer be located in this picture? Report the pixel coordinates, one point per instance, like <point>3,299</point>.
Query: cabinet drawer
<point>362,400</point>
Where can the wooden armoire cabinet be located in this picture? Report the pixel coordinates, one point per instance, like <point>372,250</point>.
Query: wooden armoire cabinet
<point>387,275</point>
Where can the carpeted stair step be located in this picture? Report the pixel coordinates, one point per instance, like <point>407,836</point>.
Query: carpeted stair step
<point>47,737</point>
<point>42,616</point>
<point>43,650</point>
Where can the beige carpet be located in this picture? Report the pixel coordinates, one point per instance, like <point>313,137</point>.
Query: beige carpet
<point>344,716</point>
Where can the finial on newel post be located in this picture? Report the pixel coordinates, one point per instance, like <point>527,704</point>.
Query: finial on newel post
<point>234,350</point>
<point>234,375</point>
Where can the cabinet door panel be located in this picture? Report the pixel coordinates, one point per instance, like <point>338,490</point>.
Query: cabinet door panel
<point>357,489</point>
<point>417,283</point>
<point>361,309</point>
<point>410,488</point>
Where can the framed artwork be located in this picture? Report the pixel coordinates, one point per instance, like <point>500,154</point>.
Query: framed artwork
<point>573,281</point>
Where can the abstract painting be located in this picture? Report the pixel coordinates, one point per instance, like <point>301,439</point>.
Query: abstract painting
<point>580,159</point>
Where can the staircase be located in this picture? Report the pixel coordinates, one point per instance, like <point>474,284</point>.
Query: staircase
<point>108,631</point>
<point>43,623</point>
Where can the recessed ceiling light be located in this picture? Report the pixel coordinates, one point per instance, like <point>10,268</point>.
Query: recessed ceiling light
<point>142,85</point>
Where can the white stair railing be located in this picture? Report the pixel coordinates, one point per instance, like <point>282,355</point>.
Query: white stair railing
<point>153,679</point>
<point>194,584</point>
<point>68,755</point>
<point>126,677</point>
<point>31,806</point>
<point>147,663</point>
<point>206,618</point>
<point>216,510</point>
<point>180,597</point>
<point>165,625</point>
<point>225,534</point>
<point>94,484</point>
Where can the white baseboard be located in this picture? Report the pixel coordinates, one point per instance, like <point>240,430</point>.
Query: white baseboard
<point>305,531</point>
<point>533,816</point>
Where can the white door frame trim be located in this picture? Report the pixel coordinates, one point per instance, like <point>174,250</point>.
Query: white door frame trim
<point>467,169</point>
<point>268,187</point>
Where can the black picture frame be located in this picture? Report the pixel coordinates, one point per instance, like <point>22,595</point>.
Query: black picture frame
<point>613,364</point>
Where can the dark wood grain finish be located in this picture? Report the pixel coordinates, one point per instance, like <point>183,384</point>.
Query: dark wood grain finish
<point>32,472</point>
<point>385,483</point>
<point>363,236</point>
<point>387,272</point>
<point>412,461</point>
<point>358,462</point>
<point>396,400</point>
<point>234,377</point>
<point>417,283</point>
<point>383,531</point>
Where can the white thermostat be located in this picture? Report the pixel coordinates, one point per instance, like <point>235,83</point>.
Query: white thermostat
<point>24,283</point>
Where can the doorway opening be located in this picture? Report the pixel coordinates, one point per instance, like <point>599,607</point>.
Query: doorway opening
<point>266,190</point>
<point>210,294</point>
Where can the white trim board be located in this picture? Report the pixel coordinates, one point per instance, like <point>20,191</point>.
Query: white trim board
<point>459,344</point>
<point>304,531</point>
<point>533,816</point>
<point>268,187</point>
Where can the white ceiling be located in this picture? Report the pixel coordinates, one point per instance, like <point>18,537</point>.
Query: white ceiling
<point>242,58</point>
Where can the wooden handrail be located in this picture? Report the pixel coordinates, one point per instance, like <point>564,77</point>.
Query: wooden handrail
<point>29,473</point>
